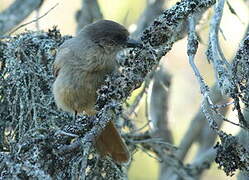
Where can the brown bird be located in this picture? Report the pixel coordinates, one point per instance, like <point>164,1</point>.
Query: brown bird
<point>80,68</point>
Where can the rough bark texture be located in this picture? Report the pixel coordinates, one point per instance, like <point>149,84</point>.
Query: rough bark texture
<point>29,111</point>
<point>38,141</point>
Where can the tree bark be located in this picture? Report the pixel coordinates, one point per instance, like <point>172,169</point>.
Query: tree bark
<point>89,13</point>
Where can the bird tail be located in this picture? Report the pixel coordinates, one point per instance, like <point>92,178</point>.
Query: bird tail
<point>110,143</point>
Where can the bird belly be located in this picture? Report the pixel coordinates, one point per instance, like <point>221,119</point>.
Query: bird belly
<point>75,97</point>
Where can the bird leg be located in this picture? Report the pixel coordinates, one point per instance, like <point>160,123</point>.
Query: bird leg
<point>75,115</point>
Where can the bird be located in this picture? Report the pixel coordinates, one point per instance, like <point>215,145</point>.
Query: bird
<point>80,68</point>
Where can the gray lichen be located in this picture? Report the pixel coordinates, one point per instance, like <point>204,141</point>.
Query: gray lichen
<point>38,141</point>
<point>231,155</point>
<point>241,71</point>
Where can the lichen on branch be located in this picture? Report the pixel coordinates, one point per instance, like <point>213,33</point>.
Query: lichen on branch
<point>44,142</point>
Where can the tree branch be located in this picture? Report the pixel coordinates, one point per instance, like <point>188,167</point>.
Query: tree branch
<point>89,13</point>
<point>16,13</point>
<point>28,78</point>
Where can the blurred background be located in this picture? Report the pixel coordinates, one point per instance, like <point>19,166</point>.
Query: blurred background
<point>185,98</point>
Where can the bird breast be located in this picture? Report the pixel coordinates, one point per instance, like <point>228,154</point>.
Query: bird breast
<point>75,88</point>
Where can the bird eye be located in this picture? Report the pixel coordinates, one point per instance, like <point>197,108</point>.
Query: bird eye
<point>120,38</point>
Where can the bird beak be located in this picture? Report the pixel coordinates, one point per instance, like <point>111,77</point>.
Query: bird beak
<point>131,43</point>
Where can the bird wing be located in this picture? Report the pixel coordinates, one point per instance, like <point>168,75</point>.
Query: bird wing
<point>91,57</point>
<point>84,55</point>
<point>62,56</point>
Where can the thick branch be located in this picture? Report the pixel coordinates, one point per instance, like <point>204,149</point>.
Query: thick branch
<point>89,13</point>
<point>153,9</point>
<point>30,101</point>
<point>161,34</point>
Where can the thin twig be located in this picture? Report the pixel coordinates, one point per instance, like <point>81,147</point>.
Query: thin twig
<point>236,124</point>
<point>25,24</point>
<point>207,105</point>
<point>141,128</point>
<point>221,65</point>
<point>150,155</point>
<point>220,106</point>
<point>135,104</point>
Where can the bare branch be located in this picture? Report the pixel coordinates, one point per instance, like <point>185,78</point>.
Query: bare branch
<point>158,106</point>
<point>16,13</point>
<point>215,54</point>
<point>35,20</point>
<point>29,71</point>
<point>89,13</point>
<point>153,9</point>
